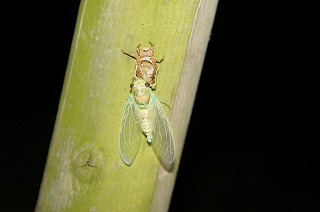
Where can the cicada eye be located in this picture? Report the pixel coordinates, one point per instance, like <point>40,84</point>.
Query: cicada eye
<point>147,84</point>
<point>131,85</point>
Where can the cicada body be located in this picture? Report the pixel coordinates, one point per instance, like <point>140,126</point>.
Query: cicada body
<point>146,65</point>
<point>144,114</point>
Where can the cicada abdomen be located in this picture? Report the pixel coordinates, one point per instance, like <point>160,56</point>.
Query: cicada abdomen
<point>144,113</point>
<point>146,65</point>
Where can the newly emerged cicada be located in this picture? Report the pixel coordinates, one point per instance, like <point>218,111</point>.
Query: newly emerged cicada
<point>146,64</point>
<point>144,115</point>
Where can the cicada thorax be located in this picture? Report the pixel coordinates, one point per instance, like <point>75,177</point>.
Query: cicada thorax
<point>147,114</point>
<point>146,68</point>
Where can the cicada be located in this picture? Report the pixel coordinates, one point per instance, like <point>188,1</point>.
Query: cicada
<point>144,114</point>
<point>146,64</point>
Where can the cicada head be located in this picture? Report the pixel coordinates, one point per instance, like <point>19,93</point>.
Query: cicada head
<point>141,92</point>
<point>145,51</point>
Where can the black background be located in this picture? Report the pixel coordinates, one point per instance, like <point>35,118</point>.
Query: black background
<point>253,141</point>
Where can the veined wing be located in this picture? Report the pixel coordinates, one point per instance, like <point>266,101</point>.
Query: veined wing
<point>162,143</point>
<point>130,132</point>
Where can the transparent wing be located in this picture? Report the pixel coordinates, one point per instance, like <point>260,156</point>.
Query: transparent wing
<point>130,132</point>
<point>162,143</point>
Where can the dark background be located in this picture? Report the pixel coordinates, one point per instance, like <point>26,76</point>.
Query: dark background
<point>253,141</point>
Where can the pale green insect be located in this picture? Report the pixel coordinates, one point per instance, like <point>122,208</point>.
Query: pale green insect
<point>144,114</point>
